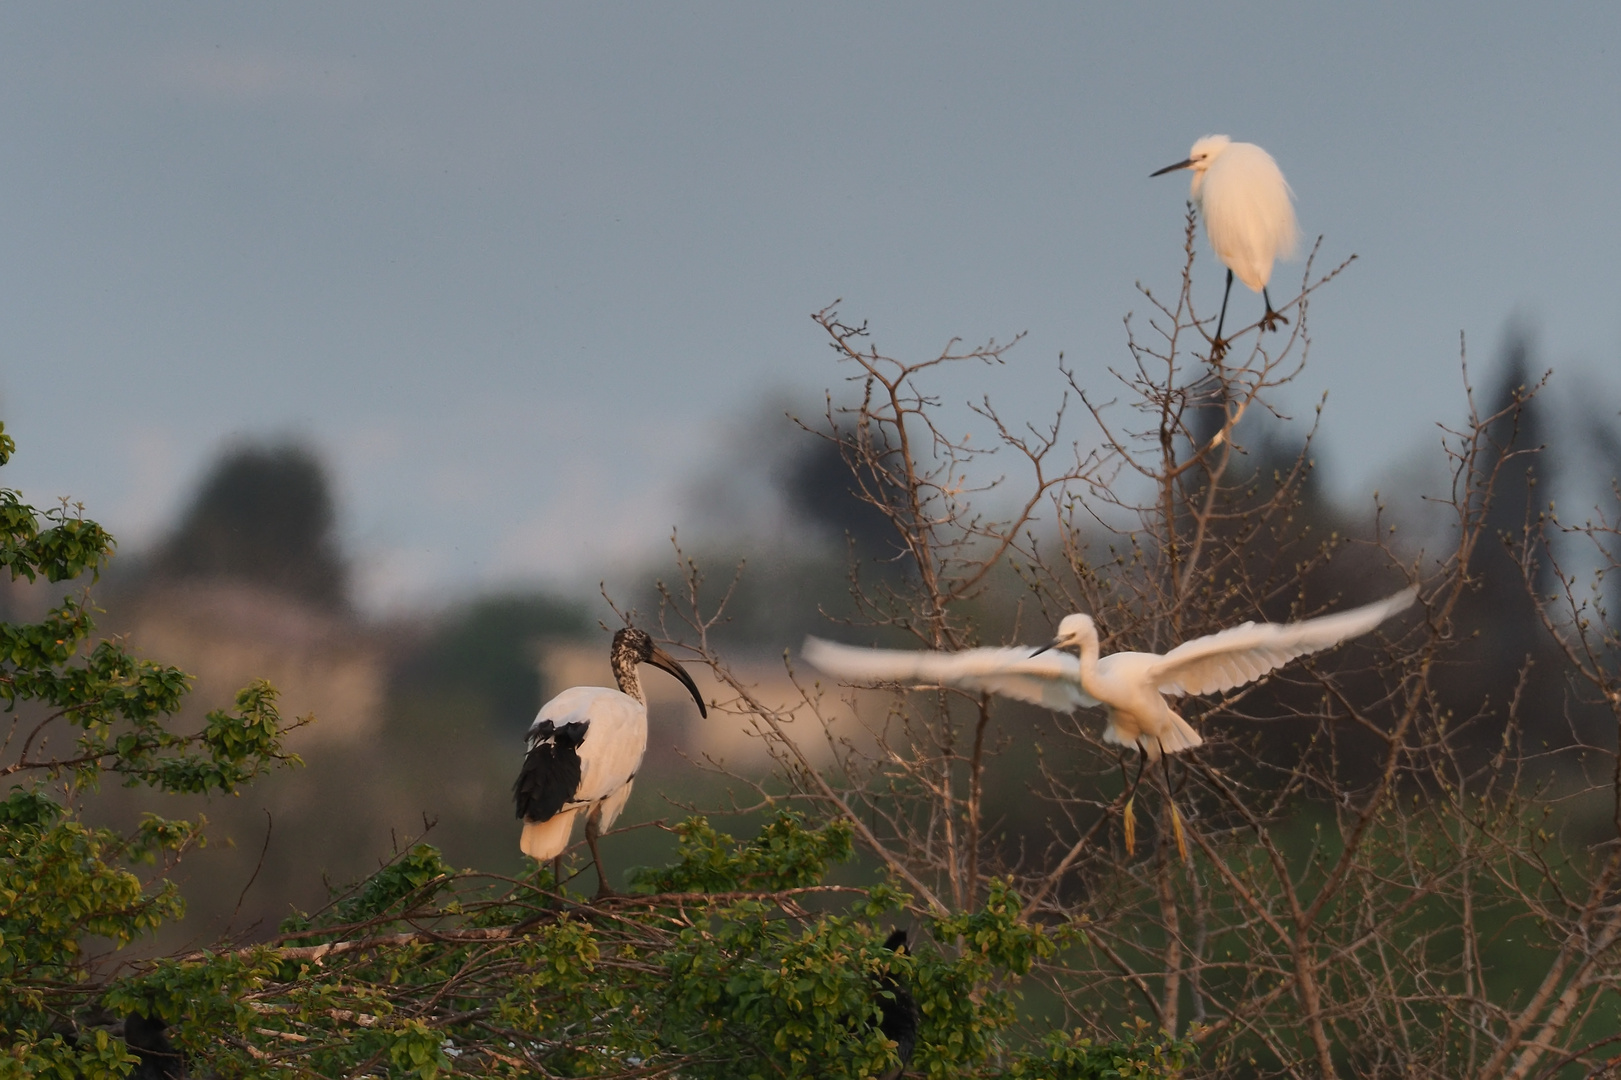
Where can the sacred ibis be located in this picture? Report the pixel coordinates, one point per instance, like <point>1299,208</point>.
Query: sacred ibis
<point>583,750</point>
<point>1248,215</point>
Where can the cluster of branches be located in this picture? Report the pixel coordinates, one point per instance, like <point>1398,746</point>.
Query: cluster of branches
<point>736,960</point>
<point>1391,863</point>
<point>1400,858</point>
<point>728,963</point>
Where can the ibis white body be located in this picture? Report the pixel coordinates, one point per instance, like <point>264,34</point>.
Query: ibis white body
<point>610,755</point>
<point>1131,686</point>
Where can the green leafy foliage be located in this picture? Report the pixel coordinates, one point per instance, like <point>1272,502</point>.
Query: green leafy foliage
<point>97,1056</point>
<point>729,987</point>
<point>407,882</point>
<point>58,544</point>
<point>79,710</point>
<point>59,881</point>
<point>781,1000</point>
<point>1070,1055</point>
<point>785,855</point>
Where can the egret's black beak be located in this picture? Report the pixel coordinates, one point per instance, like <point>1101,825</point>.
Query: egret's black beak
<point>1171,168</point>
<point>660,658</point>
<point>1044,648</point>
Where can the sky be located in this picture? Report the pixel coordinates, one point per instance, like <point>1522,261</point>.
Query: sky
<point>523,273</point>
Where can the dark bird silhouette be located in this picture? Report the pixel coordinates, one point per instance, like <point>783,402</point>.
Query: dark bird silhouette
<point>897,1011</point>
<point>159,1060</point>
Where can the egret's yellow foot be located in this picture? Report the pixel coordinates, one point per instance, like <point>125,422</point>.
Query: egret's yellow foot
<point>1176,830</point>
<point>1130,820</point>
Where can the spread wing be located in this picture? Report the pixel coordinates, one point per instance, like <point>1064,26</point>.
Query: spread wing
<point>1051,679</point>
<point>1244,653</point>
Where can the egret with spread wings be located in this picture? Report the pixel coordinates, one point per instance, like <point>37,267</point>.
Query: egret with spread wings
<point>1131,686</point>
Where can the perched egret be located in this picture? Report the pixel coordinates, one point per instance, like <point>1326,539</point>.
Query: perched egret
<point>1131,686</point>
<point>583,750</point>
<point>1248,215</point>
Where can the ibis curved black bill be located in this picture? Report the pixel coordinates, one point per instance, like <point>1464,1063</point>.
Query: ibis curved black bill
<point>1171,168</point>
<point>661,659</point>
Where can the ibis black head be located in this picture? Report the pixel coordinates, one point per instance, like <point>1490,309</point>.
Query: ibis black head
<point>632,646</point>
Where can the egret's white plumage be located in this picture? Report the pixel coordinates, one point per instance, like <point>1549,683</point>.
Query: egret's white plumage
<point>1132,686</point>
<point>583,751</point>
<point>1248,212</point>
<point>1050,678</point>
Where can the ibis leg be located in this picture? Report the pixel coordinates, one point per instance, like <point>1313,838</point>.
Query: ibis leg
<point>592,830</point>
<point>1218,347</point>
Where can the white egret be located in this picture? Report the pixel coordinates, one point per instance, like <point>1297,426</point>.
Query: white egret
<point>1248,215</point>
<point>583,750</point>
<point>1131,686</point>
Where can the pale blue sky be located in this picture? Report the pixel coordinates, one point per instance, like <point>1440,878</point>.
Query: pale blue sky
<point>512,267</point>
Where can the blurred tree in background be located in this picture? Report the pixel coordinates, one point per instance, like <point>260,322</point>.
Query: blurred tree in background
<point>486,654</point>
<point>1511,576</point>
<point>264,516</point>
<point>825,494</point>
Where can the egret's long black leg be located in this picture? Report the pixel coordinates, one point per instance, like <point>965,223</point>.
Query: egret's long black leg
<point>1128,815</point>
<point>557,871</point>
<point>1271,319</point>
<point>592,828</point>
<point>1218,347</point>
<point>1142,763</point>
